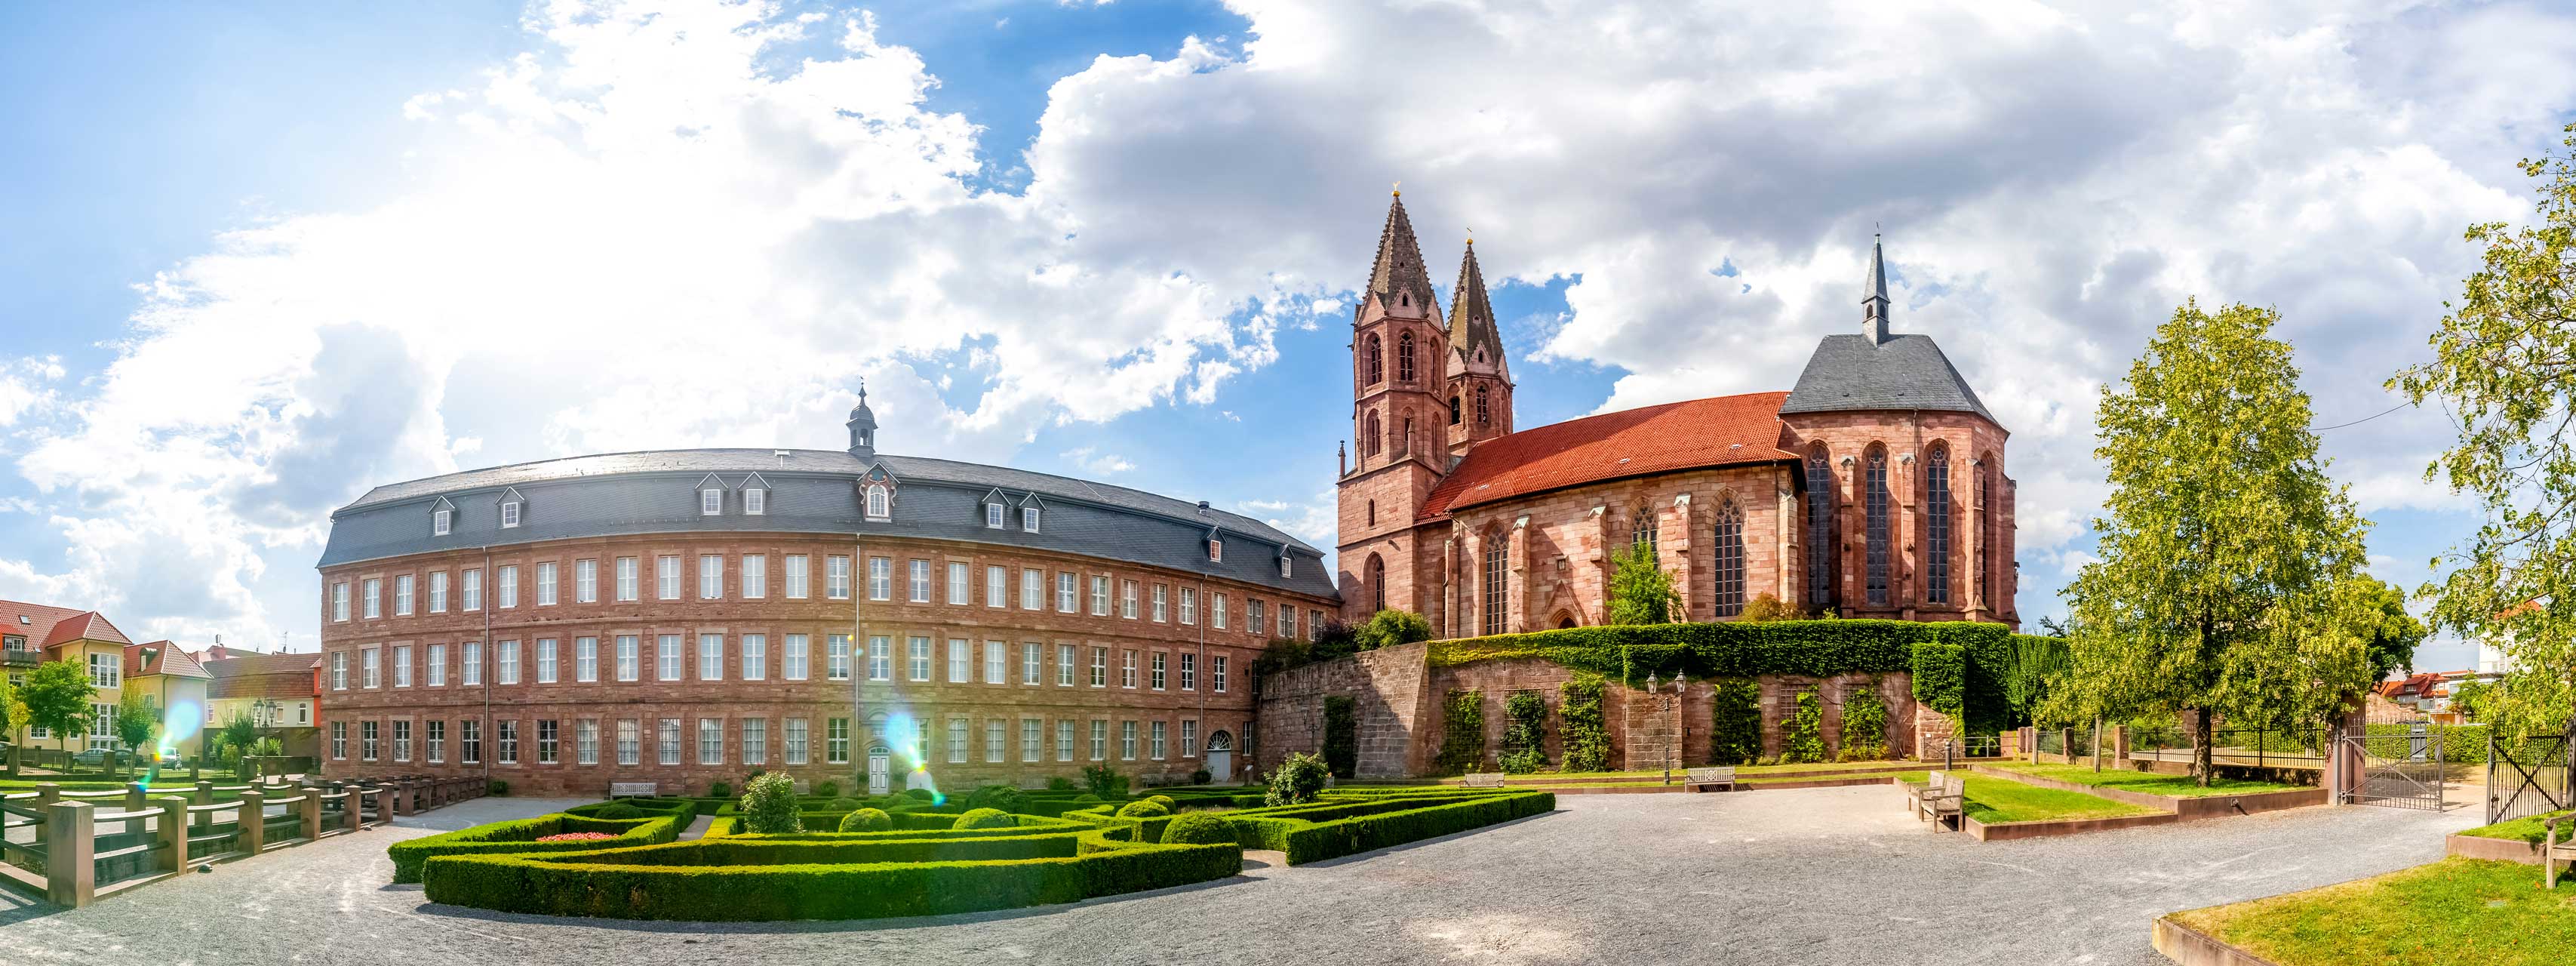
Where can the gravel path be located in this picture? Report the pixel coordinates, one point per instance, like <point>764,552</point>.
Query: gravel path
<point>1835,875</point>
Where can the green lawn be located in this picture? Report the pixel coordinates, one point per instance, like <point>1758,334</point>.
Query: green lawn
<point>2452,911</point>
<point>2526,829</point>
<point>1991,800</point>
<point>2151,783</point>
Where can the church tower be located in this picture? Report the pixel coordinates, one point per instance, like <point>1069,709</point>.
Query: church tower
<point>1399,445</point>
<point>1477,378</point>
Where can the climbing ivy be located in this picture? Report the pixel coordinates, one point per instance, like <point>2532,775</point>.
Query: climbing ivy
<point>1735,728</point>
<point>1587,737</point>
<point>1865,725</point>
<point>1806,737</point>
<point>1524,733</point>
<point>1341,735</point>
<point>1462,741</point>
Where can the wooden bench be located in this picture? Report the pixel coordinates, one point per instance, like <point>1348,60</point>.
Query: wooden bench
<point>1493,779</point>
<point>632,789</point>
<point>1702,779</point>
<point>2553,851</point>
<point>1944,796</point>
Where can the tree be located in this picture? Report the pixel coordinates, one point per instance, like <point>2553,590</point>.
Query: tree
<point>2471,698</point>
<point>137,718</point>
<point>1640,591</point>
<point>2504,367</point>
<point>2390,633</point>
<point>57,697</point>
<point>2226,584</point>
<point>1388,628</point>
<point>239,732</point>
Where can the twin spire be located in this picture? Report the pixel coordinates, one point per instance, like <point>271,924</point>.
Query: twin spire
<point>1402,284</point>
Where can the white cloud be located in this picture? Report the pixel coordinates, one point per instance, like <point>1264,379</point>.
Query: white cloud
<point>1091,459</point>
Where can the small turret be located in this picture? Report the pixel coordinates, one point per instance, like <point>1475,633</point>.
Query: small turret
<point>1873,301</point>
<point>863,426</point>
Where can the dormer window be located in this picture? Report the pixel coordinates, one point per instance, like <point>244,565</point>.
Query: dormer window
<point>993,516</point>
<point>710,502</point>
<point>877,503</point>
<point>510,515</point>
<point>755,502</point>
<point>1216,550</point>
<point>1283,565</point>
<point>1029,519</point>
<point>440,521</point>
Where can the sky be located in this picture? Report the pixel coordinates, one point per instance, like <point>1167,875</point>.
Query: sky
<point>255,259</point>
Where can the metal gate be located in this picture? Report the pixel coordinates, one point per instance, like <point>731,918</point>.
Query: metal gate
<point>2401,766</point>
<point>2532,777</point>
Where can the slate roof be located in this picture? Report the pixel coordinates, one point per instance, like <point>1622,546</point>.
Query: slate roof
<point>1720,431</point>
<point>261,676</point>
<point>1399,267</point>
<point>1471,314</point>
<point>161,657</point>
<point>1850,372</point>
<point>813,491</point>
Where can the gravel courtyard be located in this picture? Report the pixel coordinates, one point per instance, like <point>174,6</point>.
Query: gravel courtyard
<point>1809,876</point>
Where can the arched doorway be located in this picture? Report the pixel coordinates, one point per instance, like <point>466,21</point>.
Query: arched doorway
<point>879,781</point>
<point>1220,757</point>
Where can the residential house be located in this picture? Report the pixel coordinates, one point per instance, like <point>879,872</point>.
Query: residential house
<point>171,678</point>
<point>34,633</point>
<point>281,693</point>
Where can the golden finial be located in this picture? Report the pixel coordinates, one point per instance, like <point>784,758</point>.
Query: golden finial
<point>1471,236</point>
<point>1398,190</point>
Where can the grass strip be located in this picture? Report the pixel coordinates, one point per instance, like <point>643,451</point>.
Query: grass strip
<point>2452,911</point>
<point>2150,783</point>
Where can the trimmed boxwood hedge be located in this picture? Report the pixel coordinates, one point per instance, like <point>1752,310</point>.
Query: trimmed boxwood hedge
<point>1340,826</point>
<point>519,836</point>
<point>775,880</point>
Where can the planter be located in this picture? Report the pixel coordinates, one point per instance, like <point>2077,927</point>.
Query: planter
<point>2206,806</point>
<point>2007,831</point>
<point>2498,850</point>
<point>2191,947</point>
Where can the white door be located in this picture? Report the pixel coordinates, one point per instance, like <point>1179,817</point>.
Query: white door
<point>877,780</point>
<point>1220,757</point>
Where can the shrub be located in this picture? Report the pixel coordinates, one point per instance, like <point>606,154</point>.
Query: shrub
<point>867,820</point>
<point>1864,726</point>
<point>986,818</point>
<point>1087,798</point>
<point>1388,628</point>
<point>921,794</point>
<point>497,788</point>
<point>999,797</point>
<point>1202,777</point>
<point>1524,732</point>
<point>1735,728</point>
<point>719,790</point>
<point>1144,808</point>
<point>1166,801</point>
<point>1341,735</point>
<point>617,810</point>
<point>769,806</point>
<point>1764,607</point>
<point>1104,781</point>
<point>1587,737</point>
<point>1941,679</point>
<point>1641,591</point>
<point>1462,732</point>
<point>1331,830</point>
<point>410,856</point>
<point>1297,780</point>
<point>828,789</point>
<point>1198,828</point>
<point>1806,739</point>
<point>1059,783</point>
<point>843,805</point>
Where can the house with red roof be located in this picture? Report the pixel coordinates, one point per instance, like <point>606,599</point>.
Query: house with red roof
<point>281,694</point>
<point>35,633</point>
<point>1873,487</point>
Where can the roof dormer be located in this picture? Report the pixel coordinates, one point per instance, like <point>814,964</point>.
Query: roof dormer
<point>512,507</point>
<point>755,496</point>
<point>711,490</point>
<point>442,518</point>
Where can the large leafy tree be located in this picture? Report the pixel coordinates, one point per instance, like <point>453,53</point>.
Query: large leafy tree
<point>2227,583</point>
<point>1641,592</point>
<point>2504,366</point>
<point>57,696</point>
<point>2393,632</point>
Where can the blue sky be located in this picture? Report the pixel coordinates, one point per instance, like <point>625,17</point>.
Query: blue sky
<point>258,258</point>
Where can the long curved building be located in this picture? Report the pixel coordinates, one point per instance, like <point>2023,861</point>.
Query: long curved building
<point>686,617</point>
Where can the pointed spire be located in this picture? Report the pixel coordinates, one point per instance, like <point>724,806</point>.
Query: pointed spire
<point>1398,279</point>
<point>863,425</point>
<point>1471,314</point>
<point>1873,301</point>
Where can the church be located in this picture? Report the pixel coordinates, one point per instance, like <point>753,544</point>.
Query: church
<point>1874,487</point>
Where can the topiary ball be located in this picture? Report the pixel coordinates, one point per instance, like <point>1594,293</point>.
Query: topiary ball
<point>1199,828</point>
<point>844,805</point>
<point>923,794</point>
<point>1003,797</point>
<point>987,818</point>
<point>1143,808</point>
<point>1087,798</point>
<point>828,789</point>
<point>867,820</point>
<point>1166,801</point>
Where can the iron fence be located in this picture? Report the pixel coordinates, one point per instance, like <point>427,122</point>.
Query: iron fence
<point>2533,776</point>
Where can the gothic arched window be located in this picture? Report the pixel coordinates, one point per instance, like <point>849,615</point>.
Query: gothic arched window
<point>1376,583</point>
<point>1407,442</point>
<point>1484,411</point>
<point>1494,590</point>
<point>1874,492</point>
<point>1372,436</point>
<point>1936,524</point>
<point>1642,528</point>
<point>1824,549</point>
<point>1983,474</point>
<point>1729,562</point>
<point>1404,357</point>
<point>1453,409</point>
<point>1373,361</point>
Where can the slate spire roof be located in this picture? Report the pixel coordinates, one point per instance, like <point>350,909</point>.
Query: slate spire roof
<point>1399,270</point>
<point>1471,316</point>
<point>1878,370</point>
<point>1873,296</point>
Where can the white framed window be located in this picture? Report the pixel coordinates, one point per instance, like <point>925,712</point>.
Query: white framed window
<point>1127,668</point>
<point>340,601</point>
<point>1287,620</point>
<point>1216,611</point>
<point>1127,741</point>
<point>755,501</point>
<point>993,516</point>
<point>626,579</point>
<point>880,578</point>
<point>1216,673</point>
<point>919,581</point>
<point>629,663</point>
<point>546,664</point>
<point>919,657</point>
<point>434,733</point>
<point>710,657</point>
<point>668,750</point>
<point>1030,741</point>
<point>836,741</point>
<point>402,596</point>
<point>996,661</point>
<point>880,507</point>
<point>666,577</point>
<point>1099,667</point>
<point>961,660</point>
<point>956,740</point>
<point>666,657</point>
<point>793,658</point>
<point>710,502</point>
<point>1162,603</point>
<point>792,736</point>
<point>959,587</point>
<point>836,657</point>
<point>440,521</point>
<point>836,578</point>
<point>546,742</point>
<point>710,741</point>
<point>505,586</point>
<point>339,672</point>
<point>1189,605</point>
<point>470,586</point>
<point>710,576</point>
<point>755,576</point>
<point>1064,739</point>
<point>437,666</point>
<point>438,592</point>
<point>1032,589</point>
<point>585,742</point>
<point>339,741</point>
<point>402,665</point>
<point>755,659</point>
<point>1284,568</point>
<point>1029,519</point>
<point>546,584</point>
<point>1189,671</point>
<point>368,661</point>
<point>629,750</point>
<point>1158,670</point>
<point>997,581</point>
<point>1189,738</point>
<point>993,739</point>
<point>1127,599</point>
<point>1032,662</point>
<point>585,582</point>
<point>505,655</point>
<point>1099,738</point>
<point>1158,733</point>
<point>510,515</point>
<point>1066,599</point>
<point>469,742</point>
<point>796,577</point>
<point>1064,665</point>
<point>472,673</point>
<point>1100,595</point>
<point>375,598</point>
<point>585,659</point>
<point>755,741</point>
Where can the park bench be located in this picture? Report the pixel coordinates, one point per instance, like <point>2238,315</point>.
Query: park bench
<point>1944,796</point>
<point>1492,779</point>
<point>2553,851</point>
<point>1702,779</point>
<point>632,789</point>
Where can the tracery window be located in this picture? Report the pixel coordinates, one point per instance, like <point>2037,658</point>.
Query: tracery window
<point>1936,525</point>
<point>1874,488</point>
<point>1823,545</point>
<point>1729,562</point>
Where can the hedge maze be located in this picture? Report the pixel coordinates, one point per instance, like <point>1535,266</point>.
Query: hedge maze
<point>936,859</point>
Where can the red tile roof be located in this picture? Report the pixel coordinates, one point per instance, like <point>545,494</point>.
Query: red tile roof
<point>165,658</point>
<point>46,626</point>
<point>261,676</point>
<point>1721,431</point>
